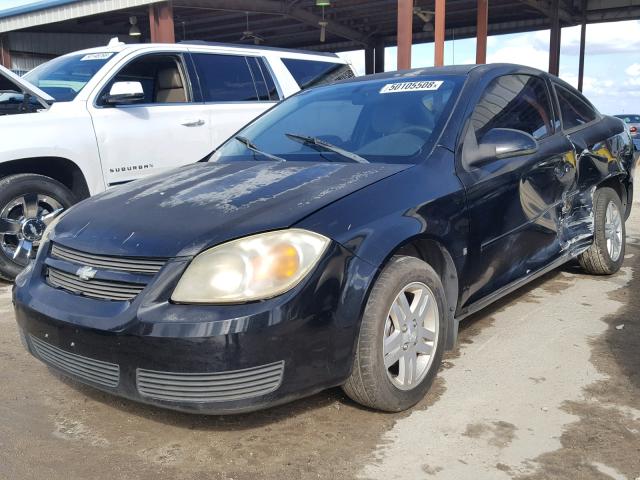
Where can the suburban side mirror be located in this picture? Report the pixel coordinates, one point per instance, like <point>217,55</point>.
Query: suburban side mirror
<point>500,143</point>
<point>123,93</point>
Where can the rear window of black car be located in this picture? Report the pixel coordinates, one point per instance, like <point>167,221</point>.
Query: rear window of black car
<point>574,110</point>
<point>311,73</point>
<point>388,121</point>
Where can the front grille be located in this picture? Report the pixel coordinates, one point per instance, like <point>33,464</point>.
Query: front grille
<point>104,290</point>
<point>88,369</point>
<point>210,387</point>
<point>123,264</point>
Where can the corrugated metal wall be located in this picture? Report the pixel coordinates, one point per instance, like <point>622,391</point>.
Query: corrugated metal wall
<point>67,12</point>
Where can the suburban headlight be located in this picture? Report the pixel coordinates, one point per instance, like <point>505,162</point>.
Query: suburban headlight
<point>251,268</point>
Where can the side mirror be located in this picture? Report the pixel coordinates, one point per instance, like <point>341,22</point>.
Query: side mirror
<point>123,93</point>
<point>500,143</point>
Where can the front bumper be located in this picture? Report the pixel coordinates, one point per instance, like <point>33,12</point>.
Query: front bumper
<point>201,359</point>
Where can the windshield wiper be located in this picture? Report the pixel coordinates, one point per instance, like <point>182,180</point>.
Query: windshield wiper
<point>321,144</point>
<point>251,146</point>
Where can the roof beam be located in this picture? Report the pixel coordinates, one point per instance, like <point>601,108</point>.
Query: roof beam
<point>279,8</point>
<point>544,7</point>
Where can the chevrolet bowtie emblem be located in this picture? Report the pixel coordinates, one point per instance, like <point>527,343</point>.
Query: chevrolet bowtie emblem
<point>86,273</point>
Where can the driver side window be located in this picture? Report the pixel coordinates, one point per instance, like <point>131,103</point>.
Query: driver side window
<point>162,77</point>
<point>519,102</point>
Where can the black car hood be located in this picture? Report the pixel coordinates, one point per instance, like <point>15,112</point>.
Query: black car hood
<point>184,211</point>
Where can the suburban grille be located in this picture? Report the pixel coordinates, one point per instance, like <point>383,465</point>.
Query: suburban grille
<point>95,371</point>
<point>124,264</point>
<point>105,290</point>
<point>210,387</point>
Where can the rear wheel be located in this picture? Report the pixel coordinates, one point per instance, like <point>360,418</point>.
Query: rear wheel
<point>401,339</point>
<point>28,203</point>
<point>606,254</point>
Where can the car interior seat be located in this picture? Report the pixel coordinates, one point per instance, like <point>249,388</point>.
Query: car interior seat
<point>169,86</point>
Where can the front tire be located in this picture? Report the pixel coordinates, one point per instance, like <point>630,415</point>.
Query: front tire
<point>401,339</point>
<point>28,202</point>
<point>606,255</point>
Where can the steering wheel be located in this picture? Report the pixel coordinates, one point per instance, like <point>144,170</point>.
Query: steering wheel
<point>417,130</point>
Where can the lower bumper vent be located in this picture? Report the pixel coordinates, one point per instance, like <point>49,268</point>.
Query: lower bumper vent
<point>210,387</point>
<point>88,369</point>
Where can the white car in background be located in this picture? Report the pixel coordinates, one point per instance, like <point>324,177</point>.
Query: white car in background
<point>97,118</point>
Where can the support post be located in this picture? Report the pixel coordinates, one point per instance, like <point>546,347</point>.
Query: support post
<point>161,23</point>
<point>5,53</point>
<point>583,39</point>
<point>369,60</point>
<point>405,33</point>
<point>482,27</point>
<point>379,56</point>
<point>554,40</point>
<point>438,59</point>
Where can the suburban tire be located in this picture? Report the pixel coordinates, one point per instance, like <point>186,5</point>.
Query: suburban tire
<point>401,339</point>
<point>28,202</point>
<point>606,254</point>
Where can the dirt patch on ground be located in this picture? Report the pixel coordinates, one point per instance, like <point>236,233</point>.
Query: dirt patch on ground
<point>605,442</point>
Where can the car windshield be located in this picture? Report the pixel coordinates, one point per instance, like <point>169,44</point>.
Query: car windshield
<point>64,77</point>
<point>630,118</point>
<point>391,120</point>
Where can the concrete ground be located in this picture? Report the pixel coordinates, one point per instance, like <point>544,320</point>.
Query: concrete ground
<point>544,385</point>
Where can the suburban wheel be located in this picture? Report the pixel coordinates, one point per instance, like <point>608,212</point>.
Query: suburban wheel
<point>606,254</point>
<point>401,338</point>
<point>27,204</point>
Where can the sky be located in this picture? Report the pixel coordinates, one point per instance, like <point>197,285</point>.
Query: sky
<point>612,59</point>
<point>612,62</point>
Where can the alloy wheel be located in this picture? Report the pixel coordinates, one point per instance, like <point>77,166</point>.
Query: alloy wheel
<point>411,335</point>
<point>613,231</point>
<point>22,223</point>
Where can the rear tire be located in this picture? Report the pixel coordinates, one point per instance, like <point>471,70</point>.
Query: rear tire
<point>606,254</point>
<point>377,380</point>
<point>26,198</point>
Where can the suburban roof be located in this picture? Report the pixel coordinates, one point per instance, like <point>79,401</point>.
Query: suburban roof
<point>257,47</point>
<point>120,47</point>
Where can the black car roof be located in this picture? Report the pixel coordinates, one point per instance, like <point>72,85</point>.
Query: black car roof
<point>456,70</point>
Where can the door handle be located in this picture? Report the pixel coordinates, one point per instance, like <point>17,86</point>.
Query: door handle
<point>193,123</point>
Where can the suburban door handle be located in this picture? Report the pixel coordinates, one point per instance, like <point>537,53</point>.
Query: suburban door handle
<point>193,123</point>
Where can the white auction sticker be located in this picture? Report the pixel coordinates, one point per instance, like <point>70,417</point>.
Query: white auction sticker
<point>411,86</point>
<point>96,56</point>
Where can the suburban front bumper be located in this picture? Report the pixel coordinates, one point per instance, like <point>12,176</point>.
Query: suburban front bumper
<point>202,359</point>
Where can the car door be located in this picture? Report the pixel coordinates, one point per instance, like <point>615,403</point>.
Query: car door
<point>164,130</point>
<point>235,90</point>
<point>515,204</point>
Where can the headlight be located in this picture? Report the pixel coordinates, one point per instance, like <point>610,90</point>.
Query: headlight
<point>251,268</point>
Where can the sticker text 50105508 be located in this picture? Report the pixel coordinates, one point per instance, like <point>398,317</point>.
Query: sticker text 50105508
<point>411,86</point>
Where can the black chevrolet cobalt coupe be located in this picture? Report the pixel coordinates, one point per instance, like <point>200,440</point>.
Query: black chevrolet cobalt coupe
<point>339,239</point>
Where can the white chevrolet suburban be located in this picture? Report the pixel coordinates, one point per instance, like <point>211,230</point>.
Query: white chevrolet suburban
<point>97,118</point>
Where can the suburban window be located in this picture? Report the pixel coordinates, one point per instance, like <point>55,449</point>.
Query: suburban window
<point>520,102</point>
<point>271,84</point>
<point>266,90</point>
<point>574,110</point>
<point>162,78</point>
<point>310,73</point>
<point>225,78</point>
